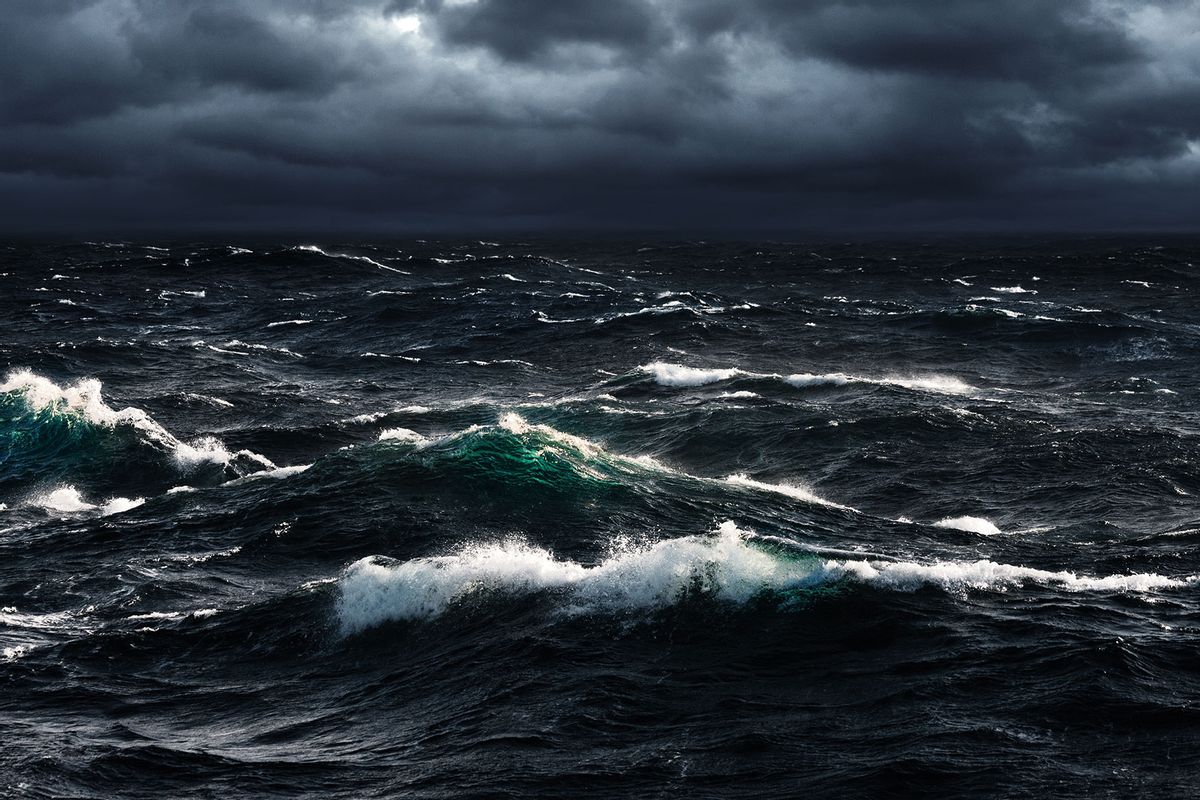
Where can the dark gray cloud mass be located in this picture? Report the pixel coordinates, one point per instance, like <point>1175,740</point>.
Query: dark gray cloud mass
<point>723,115</point>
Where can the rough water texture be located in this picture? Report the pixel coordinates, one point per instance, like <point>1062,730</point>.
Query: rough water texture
<point>554,519</point>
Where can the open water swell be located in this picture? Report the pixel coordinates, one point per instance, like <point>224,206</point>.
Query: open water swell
<point>451,519</point>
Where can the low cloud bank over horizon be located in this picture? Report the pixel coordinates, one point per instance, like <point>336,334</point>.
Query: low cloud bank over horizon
<point>429,115</point>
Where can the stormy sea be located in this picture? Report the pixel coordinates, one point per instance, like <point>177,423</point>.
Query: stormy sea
<point>606,519</point>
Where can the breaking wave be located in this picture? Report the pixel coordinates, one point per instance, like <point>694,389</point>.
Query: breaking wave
<point>730,565</point>
<point>969,524</point>
<point>51,431</point>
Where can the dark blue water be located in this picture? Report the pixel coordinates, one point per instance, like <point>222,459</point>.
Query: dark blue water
<point>554,519</point>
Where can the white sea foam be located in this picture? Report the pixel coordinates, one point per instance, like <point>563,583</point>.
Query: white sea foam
<point>970,524</point>
<point>940,384</point>
<point>1013,290</point>
<point>372,592</point>
<point>199,613</point>
<point>208,399</point>
<point>793,491</point>
<point>679,375</point>
<point>728,565</point>
<point>63,499</point>
<point>66,500</point>
<point>990,575</point>
<point>412,359</point>
<point>278,473</point>
<point>261,347</point>
<point>283,322</point>
<point>805,379</point>
<point>312,248</point>
<point>119,505</point>
<point>402,435</point>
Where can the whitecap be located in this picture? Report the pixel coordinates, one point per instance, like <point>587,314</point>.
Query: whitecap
<point>729,565</point>
<point>679,375</point>
<point>403,435</point>
<point>794,491</point>
<point>278,473</point>
<point>676,375</point>
<point>119,505</point>
<point>940,384</point>
<point>312,248</point>
<point>62,499</point>
<point>970,524</point>
<point>66,500</point>
<point>372,592</point>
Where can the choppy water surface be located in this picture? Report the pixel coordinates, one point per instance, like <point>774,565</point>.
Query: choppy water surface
<point>447,519</point>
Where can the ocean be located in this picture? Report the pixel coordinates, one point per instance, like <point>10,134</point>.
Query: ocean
<point>600,519</point>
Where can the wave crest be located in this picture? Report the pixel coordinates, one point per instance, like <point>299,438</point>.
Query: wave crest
<point>730,565</point>
<point>51,430</point>
<point>679,375</point>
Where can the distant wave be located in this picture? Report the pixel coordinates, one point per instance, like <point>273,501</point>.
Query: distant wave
<point>676,375</point>
<point>312,248</point>
<point>730,565</point>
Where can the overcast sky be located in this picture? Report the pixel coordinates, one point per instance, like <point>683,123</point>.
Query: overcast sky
<point>523,115</point>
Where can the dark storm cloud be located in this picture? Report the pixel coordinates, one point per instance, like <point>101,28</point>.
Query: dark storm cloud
<point>409,114</point>
<point>1025,40</point>
<point>522,29</point>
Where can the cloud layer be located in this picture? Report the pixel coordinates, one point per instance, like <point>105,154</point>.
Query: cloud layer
<point>416,115</point>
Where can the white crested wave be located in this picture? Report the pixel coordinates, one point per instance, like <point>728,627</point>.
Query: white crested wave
<point>83,399</point>
<point>730,565</point>
<point>67,500</point>
<point>1013,290</point>
<point>676,375</point>
<point>403,435</point>
<point>587,456</point>
<point>940,384</point>
<point>970,524</point>
<point>312,248</point>
<point>788,490</point>
<point>277,473</point>
<point>679,375</point>
<point>372,592</point>
<point>671,307</point>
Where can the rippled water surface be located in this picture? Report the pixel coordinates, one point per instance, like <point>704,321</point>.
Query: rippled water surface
<point>453,519</point>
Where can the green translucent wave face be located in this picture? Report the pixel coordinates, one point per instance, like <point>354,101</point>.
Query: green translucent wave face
<point>54,443</point>
<point>514,467</point>
<point>530,457</point>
